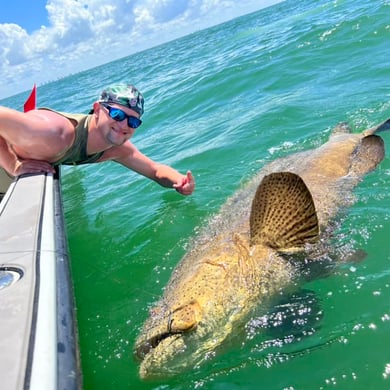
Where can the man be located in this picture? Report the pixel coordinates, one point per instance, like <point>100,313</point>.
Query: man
<point>38,140</point>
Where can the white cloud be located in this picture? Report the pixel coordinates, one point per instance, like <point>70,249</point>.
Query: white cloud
<point>78,30</point>
<point>13,44</point>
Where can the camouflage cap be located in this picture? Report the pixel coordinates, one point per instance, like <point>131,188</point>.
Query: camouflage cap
<point>124,94</point>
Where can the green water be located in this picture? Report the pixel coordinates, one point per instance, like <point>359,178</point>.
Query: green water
<point>223,102</point>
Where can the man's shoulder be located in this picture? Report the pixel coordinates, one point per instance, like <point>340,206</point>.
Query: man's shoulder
<point>75,119</point>
<point>75,116</point>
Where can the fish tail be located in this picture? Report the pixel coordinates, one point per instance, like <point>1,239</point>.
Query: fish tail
<point>384,126</point>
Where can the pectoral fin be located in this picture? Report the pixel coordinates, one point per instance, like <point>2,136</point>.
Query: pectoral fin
<point>283,214</point>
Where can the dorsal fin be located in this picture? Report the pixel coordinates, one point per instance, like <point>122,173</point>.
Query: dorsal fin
<point>283,214</point>
<point>341,128</point>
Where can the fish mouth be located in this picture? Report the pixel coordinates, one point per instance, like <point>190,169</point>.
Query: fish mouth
<point>160,356</point>
<point>151,344</point>
<point>182,320</point>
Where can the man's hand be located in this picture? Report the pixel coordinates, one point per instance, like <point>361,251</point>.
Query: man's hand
<point>187,184</point>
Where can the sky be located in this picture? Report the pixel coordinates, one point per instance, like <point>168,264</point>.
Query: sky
<point>44,40</point>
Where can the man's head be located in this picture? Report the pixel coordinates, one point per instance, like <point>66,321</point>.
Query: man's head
<point>124,94</point>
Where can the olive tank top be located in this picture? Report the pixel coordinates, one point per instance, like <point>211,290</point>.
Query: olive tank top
<point>77,153</point>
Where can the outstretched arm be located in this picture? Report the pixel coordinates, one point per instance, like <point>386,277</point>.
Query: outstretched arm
<point>129,156</point>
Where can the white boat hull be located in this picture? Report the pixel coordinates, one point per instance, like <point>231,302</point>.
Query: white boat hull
<point>38,342</point>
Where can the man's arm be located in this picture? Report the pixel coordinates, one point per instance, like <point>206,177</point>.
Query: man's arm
<point>16,166</point>
<point>8,159</point>
<point>129,156</point>
<point>37,134</point>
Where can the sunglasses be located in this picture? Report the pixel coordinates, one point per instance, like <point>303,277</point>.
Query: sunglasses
<point>119,115</point>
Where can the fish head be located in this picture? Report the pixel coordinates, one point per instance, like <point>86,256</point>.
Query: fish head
<point>178,337</point>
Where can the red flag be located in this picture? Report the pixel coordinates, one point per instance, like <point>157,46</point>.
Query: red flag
<point>30,103</point>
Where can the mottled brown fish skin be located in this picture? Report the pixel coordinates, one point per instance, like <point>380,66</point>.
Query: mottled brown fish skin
<point>238,263</point>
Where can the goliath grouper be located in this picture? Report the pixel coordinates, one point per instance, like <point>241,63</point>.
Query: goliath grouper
<point>242,260</point>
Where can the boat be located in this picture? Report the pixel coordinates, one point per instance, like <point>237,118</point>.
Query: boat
<point>39,340</point>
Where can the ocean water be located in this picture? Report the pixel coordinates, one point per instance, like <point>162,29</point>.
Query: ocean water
<point>223,102</point>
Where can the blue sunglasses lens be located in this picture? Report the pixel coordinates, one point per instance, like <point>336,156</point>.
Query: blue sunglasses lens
<point>119,115</point>
<point>116,113</point>
<point>133,122</point>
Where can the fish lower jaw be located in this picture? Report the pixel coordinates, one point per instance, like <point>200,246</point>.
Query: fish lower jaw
<point>161,361</point>
<point>149,346</point>
<point>174,355</point>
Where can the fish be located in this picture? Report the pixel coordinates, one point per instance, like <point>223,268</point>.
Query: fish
<point>254,250</point>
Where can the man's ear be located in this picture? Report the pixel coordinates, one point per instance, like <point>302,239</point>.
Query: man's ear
<point>96,108</point>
